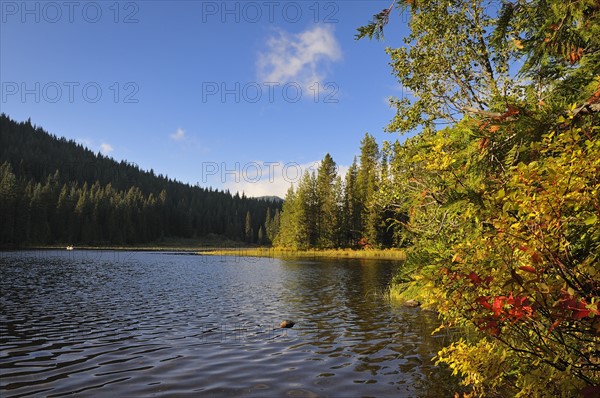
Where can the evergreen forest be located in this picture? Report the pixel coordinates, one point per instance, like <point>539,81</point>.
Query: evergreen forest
<point>55,191</point>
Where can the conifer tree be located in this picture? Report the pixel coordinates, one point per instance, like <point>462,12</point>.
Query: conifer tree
<point>367,180</point>
<point>325,203</point>
<point>352,207</point>
<point>248,229</point>
<point>8,200</point>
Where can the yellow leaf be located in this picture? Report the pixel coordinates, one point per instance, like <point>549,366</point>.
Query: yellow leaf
<point>518,44</point>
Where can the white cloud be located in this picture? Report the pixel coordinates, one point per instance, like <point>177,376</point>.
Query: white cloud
<point>260,178</point>
<point>86,142</point>
<point>105,148</point>
<point>301,58</point>
<point>179,135</point>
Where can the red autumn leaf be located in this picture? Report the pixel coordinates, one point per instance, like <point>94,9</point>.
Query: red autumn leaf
<point>489,325</point>
<point>568,303</point>
<point>510,300</point>
<point>580,314</point>
<point>498,305</point>
<point>528,268</point>
<point>580,309</point>
<point>554,325</point>
<point>516,301</point>
<point>523,301</point>
<point>484,302</point>
<point>474,278</point>
<point>519,313</point>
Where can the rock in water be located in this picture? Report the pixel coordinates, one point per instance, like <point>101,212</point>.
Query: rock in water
<point>287,324</point>
<point>412,303</point>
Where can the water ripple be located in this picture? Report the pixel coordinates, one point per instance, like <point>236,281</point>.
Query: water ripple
<point>140,324</point>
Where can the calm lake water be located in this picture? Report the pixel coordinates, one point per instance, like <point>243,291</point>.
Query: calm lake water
<point>104,323</point>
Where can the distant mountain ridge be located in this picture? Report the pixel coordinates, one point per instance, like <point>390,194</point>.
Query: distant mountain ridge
<point>54,190</point>
<point>271,198</point>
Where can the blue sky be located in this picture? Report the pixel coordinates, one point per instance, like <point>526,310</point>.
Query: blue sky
<point>237,95</point>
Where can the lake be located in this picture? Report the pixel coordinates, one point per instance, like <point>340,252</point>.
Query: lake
<point>115,323</point>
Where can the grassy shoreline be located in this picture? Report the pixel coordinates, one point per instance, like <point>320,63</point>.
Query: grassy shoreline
<point>234,249</point>
<point>386,254</point>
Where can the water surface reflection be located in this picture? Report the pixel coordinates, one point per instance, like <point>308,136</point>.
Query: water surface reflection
<point>141,324</point>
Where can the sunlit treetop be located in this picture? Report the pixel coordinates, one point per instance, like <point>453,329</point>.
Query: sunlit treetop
<point>477,57</point>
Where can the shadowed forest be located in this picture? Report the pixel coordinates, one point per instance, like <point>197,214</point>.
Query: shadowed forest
<point>56,191</point>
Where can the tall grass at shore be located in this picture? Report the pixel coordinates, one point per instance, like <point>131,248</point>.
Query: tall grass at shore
<point>387,254</point>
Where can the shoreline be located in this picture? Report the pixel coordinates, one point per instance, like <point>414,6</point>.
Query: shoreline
<point>384,254</point>
<point>233,251</point>
<point>171,244</point>
<point>157,248</point>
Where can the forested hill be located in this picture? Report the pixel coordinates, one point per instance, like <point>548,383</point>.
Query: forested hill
<point>53,190</point>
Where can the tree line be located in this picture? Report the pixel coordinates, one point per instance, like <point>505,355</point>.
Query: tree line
<point>57,191</point>
<point>328,210</point>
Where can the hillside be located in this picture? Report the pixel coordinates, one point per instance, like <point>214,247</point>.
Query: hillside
<point>54,191</point>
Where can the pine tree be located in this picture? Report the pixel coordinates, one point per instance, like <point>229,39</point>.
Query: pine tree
<point>352,207</point>
<point>268,225</point>
<point>248,230</point>
<point>367,182</point>
<point>338,216</point>
<point>307,210</point>
<point>275,225</point>
<point>325,203</point>
<point>8,200</point>
<point>40,228</point>
<point>63,209</point>
<point>286,236</point>
<point>83,209</point>
<point>261,236</point>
